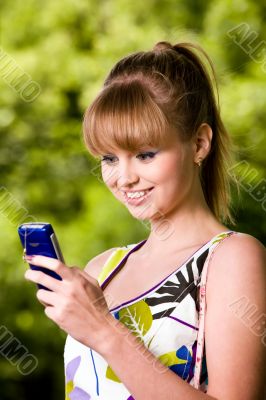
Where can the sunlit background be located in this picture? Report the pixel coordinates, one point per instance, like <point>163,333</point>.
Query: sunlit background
<point>54,56</point>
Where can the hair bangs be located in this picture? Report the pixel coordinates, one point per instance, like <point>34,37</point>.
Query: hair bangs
<point>125,116</point>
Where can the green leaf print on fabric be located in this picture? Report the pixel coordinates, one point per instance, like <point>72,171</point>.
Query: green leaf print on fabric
<point>168,358</point>
<point>178,361</point>
<point>148,346</point>
<point>111,375</point>
<point>138,319</point>
<point>69,389</point>
<point>172,358</point>
<point>220,237</point>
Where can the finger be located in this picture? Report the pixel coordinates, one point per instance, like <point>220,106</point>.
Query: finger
<point>50,312</point>
<point>48,262</point>
<point>46,297</point>
<point>43,279</point>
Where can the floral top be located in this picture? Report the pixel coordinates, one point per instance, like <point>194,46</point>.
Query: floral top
<point>165,319</point>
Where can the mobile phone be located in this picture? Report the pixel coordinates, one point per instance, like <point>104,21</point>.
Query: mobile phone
<point>38,238</point>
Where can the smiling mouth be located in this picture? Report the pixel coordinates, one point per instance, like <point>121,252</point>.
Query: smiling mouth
<point>137,193</point>
<point>137,197</point>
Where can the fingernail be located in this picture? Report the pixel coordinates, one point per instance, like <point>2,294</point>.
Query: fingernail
<point>28,258</point>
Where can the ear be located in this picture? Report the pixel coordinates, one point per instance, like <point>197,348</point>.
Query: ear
<point>202,142</point>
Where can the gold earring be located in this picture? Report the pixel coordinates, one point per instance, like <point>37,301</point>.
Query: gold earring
<point>199,162</point>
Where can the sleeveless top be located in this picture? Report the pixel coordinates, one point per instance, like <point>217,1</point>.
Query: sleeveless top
<point>168,319</point>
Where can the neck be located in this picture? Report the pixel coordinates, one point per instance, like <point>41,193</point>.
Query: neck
<point>189,225</point>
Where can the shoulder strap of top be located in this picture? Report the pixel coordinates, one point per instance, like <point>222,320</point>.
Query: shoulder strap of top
<point>202,304</point>
<point>113,260</point>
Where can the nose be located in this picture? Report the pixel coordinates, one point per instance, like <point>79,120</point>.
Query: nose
<point>127,175</point>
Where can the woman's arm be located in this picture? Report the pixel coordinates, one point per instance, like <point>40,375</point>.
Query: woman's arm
<point>236,319</point>
<point>235,347</point>
<point>140,371</point>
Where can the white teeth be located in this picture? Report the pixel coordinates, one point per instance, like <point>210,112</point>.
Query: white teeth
<point>133,195</point>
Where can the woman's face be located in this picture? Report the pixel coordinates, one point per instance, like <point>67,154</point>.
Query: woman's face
<point>151,183</point>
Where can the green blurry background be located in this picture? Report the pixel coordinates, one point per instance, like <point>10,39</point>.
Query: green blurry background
<point>68,47</point>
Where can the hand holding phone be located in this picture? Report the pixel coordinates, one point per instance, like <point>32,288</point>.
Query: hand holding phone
<point>38,238</point>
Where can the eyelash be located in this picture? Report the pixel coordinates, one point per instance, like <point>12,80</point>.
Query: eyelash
<point>149,154</point>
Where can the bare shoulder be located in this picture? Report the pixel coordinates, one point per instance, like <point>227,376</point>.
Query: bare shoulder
<point>235,318</point>
<point>241,241</point>
<point>240,260</point>
<point>95,265</point>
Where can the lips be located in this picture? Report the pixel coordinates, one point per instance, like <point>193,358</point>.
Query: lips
<point>137,200</point>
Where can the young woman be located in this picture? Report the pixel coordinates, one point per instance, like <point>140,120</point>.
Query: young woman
<point>143,320</point>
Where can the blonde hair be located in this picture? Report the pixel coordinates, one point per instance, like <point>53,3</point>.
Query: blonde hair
<point>146,95</point>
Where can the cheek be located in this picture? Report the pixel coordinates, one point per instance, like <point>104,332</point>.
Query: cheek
<point>174,178</point>
<point>108,175</point>
<point>165,172</point>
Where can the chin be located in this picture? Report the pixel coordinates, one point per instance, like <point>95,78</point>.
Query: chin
<point>141,216</point>
<point>146,213</point>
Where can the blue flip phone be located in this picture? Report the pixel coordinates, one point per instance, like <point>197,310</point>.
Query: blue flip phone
<point>38,238</point>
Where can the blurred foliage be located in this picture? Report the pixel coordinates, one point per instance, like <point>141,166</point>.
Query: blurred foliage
<point>68,47</point>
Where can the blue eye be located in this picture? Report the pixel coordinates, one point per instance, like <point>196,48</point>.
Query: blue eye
<point>147,155</point>
<point>108,159</point>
